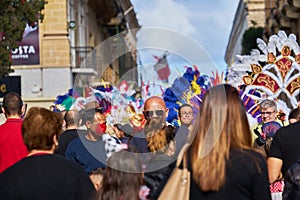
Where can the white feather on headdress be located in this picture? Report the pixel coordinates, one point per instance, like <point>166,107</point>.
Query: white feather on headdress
<point>262,46</point>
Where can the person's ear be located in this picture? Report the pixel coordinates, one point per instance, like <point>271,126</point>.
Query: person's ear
<point>3,111</point>
<point>23,110</point>
<point>97,186</point>
<point>167,112</point>
<point>55,141</point>
<point>88,124</point>
<point>79,122</point>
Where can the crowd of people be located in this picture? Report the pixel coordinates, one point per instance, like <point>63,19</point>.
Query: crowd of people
<point>79,155</point>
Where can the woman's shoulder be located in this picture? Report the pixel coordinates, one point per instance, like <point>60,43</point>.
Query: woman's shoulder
<point>247,161</point>
<point>246,154</point>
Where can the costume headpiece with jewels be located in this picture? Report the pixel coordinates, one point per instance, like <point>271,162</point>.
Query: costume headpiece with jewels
<point>119,107</point>
<point>273,71</point>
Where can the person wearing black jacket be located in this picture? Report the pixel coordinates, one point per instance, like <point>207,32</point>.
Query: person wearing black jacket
<point>292,183</point>
<point>73,121</point>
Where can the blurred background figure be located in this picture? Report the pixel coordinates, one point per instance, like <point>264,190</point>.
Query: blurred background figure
<point>42,175</point>
<point>72,122</point>
<point>186,115</point>
<point>222,163</point>
<point>62,116</point>
<point>122,178</point>
<point>294,115</point>
<point>96,177</point>
<point>123,132</point>
<point>12,147</point>
<point>2,116</point>
<point>291,183</point>
<point>89,150</point>
<point>284,152</point>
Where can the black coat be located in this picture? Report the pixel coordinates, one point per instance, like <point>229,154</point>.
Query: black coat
<point>292,183</point>
<point>158,169</point>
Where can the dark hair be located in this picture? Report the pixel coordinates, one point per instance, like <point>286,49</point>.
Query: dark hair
<point>126,128</point>
<point>170,133</point>
<point>295,114</point>
<point>120,178</point>
<point>12,104</point>
<point>39,127</point>
<point>72,117</point>
<point>184,105</point>
<point>99,171</point>
<point>89,114</point>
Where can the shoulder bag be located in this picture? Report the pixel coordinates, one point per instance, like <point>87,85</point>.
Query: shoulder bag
<point>178,185</point>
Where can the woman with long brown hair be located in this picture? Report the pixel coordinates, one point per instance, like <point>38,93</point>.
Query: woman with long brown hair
<point>222,162</point>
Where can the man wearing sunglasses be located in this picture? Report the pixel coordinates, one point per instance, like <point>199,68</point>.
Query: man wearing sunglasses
<point>154,106</point>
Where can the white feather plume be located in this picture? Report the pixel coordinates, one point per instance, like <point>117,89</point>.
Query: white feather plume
<point>262,46</point>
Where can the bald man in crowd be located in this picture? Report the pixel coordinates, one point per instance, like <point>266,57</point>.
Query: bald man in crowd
<point>72,122</point>
<point>154,107</point>
<point>157,165</point>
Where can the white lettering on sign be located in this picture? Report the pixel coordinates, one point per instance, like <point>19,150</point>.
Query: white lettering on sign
<point>18,56</point>
<point>24,50</point>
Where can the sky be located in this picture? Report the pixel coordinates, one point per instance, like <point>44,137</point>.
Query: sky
<point>206,24</point>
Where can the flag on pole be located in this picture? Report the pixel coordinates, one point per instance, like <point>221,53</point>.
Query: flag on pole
<point>162,68</point>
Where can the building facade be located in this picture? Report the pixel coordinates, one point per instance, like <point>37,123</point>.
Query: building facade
<point>284,15</point>
<point>272,15</point>
<point>69,53</point>
<point>247,13</point>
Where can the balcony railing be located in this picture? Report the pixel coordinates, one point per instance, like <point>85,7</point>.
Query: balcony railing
<point>81,53</point>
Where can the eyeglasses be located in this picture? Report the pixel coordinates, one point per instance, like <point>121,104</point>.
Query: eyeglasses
<point>150,113</point>
<point>186,113</point>
<point>267,113</point>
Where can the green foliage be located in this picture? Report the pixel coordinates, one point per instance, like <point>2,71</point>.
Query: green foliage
<point>14,14</point>
<point>249,39</point>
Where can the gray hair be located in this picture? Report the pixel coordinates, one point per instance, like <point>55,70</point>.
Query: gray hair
<point>265,104</point>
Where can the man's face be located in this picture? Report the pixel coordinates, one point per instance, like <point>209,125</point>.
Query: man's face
<point>186,115</point>
<point>154,108</point>
<point>268,114</point>
<point>119,133</point>
<point>98,125</point>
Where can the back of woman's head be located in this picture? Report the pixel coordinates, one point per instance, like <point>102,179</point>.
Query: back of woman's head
<point>222,120</point>
<point>222,125</point>
<point>39,128</point>
<point>122,177</point>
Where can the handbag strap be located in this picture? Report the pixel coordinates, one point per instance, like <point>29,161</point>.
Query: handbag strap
<point>182,155</point>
